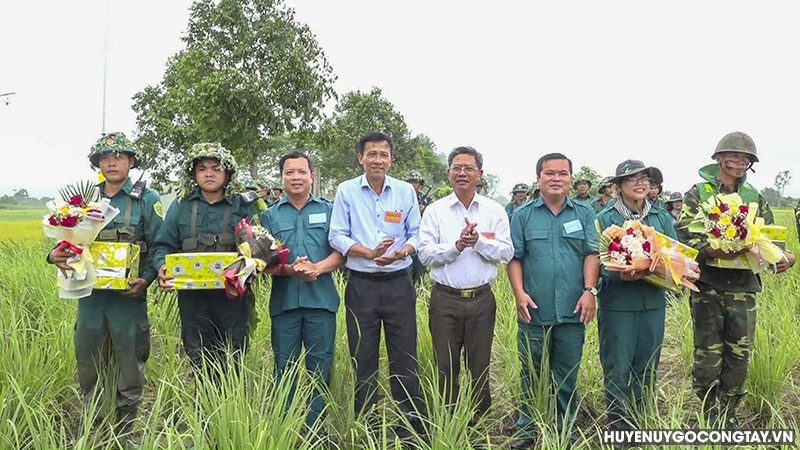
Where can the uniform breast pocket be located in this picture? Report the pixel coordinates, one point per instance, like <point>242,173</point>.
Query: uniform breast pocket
<point>574,241</point>
<point>119,220</point>
<point>318,234</point>
<point>185,225</point>
<point>393,223</point>
<point>536,241</point>
<point>285,232</point>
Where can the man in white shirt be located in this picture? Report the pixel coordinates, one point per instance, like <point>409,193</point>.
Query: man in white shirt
<point>463,237</point>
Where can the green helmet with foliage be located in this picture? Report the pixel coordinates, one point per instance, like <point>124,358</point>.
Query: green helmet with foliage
<point>415,175</point>
<point>206,150</point>
<point>737,142</point>
<point>115,142</point>
<point>520,187</point>
<point>276,185</point>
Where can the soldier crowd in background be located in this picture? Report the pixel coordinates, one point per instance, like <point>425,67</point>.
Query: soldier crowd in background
<point>383,232</point>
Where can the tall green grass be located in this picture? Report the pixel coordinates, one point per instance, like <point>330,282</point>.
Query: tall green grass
<point>41,406</point>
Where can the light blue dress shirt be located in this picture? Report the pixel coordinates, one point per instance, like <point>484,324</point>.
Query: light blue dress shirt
<point>360,217</point>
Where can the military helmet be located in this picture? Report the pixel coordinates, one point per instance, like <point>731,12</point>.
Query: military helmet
<point>581,179</point>
<point>675,197</point>
<point>415,175</point>
<point>205,150</point>
<point>277,185</point>
<point>737,142</point>
<point>604,184</point>
<point>115,142</point>
<point>520,187</point>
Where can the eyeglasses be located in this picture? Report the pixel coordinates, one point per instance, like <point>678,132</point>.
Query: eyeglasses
<point>638,180</point>
<point>468,169</point>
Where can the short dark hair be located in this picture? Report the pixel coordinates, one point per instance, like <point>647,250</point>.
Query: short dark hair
<point>466,150</point>
<point>550,157</point>
<point>293,155</point>
<point>374,136</point>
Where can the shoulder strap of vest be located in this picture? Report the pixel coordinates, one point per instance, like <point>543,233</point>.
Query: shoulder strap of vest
<point>193,231</point>
<point>128,208</point>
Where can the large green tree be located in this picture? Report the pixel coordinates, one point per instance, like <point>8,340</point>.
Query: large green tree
<point>358,113</point>
<point>250,75</point>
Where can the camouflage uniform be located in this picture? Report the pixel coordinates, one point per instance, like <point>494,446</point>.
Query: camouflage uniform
<point>724,311</point>
<point>108,321</point>
<point>602,201</point>
<point>514,204</point>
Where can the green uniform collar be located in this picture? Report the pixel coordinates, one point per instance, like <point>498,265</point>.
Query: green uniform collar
<point>126,188</point>
<point>285,199</point>
<point>197,195</point>
<point>710,173</point>
<point>567,202</point>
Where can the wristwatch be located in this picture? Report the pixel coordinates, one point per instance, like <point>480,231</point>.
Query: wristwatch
<point>591,289</point>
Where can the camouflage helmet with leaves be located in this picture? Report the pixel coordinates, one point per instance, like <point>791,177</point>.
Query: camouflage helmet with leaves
<point>520,187</point>
<point>115,142</point>
<point>206,150</point>
<point>737,142</point>
<point>415,175</point>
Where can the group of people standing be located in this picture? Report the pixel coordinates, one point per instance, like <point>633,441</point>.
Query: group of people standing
<point>374,227</point>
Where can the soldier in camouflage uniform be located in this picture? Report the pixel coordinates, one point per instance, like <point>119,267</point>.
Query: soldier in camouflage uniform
<point>275,192</point>
<point>724,311</point>
<point>414,177</point>
<point>519,195</point>
<point>117,320</point>
<point>203,219</point>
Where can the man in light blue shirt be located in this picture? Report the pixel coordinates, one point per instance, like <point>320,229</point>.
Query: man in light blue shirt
<point>374,223</point>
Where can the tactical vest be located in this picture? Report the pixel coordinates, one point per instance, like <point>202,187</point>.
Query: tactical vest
<point>748,193</point>
<point>222,242</point>
<point>127,233</point>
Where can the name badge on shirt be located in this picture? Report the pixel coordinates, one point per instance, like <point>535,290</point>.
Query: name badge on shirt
<point>317,218</point>
<point>488,234</point>
<point>573,226</point>
<point>393,217</point>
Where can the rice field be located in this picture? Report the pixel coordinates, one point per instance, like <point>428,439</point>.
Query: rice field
<point>41,404</point>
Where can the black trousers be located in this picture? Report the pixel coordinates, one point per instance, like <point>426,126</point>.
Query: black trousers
<point>390,302</point>
<point>458,323</point>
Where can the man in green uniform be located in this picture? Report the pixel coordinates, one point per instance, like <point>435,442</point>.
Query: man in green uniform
<point>304,299</point>
<point>655,195</point>
<point>118,319</point>
<point>519,195</point>
<point>252,185</point>
<point>724,311</point>
<point>203,220</point>
<point>674,206</point>
<point>582,187</point>
<point>554,277</point>
<point>605,193</point>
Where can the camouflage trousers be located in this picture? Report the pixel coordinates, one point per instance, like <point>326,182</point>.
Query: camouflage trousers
<point>724,332</point>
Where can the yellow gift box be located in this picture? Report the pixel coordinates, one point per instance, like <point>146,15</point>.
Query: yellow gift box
<point>115,263</point>
<point>775,233</point>
<point>663,281</point>
<point>198,270</point>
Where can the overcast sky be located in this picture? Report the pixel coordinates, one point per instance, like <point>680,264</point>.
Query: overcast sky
<point>598,81</point>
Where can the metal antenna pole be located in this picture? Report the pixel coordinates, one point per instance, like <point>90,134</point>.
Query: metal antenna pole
<point>105,65</point>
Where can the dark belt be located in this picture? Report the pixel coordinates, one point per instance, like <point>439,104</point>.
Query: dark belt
<point>464,293</point>
<point>379,276</point>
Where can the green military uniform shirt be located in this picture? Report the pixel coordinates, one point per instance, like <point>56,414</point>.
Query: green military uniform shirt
<point>552,250</point>
<point>512,206</point>
<point>145,219</point>
<point>598,204</point>
<point>177,223</point>
<point>721,280</point>
<point>586,198</point>
<point>618,295</point>
<point>304,233</point>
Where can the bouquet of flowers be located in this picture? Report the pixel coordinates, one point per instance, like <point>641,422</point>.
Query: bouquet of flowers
<point>258,251</point>
<point>74,222</point>
<point>732,226</point>
<point>638,247</point>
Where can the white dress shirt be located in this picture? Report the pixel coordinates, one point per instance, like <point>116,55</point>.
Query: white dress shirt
<point>441,227</point>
